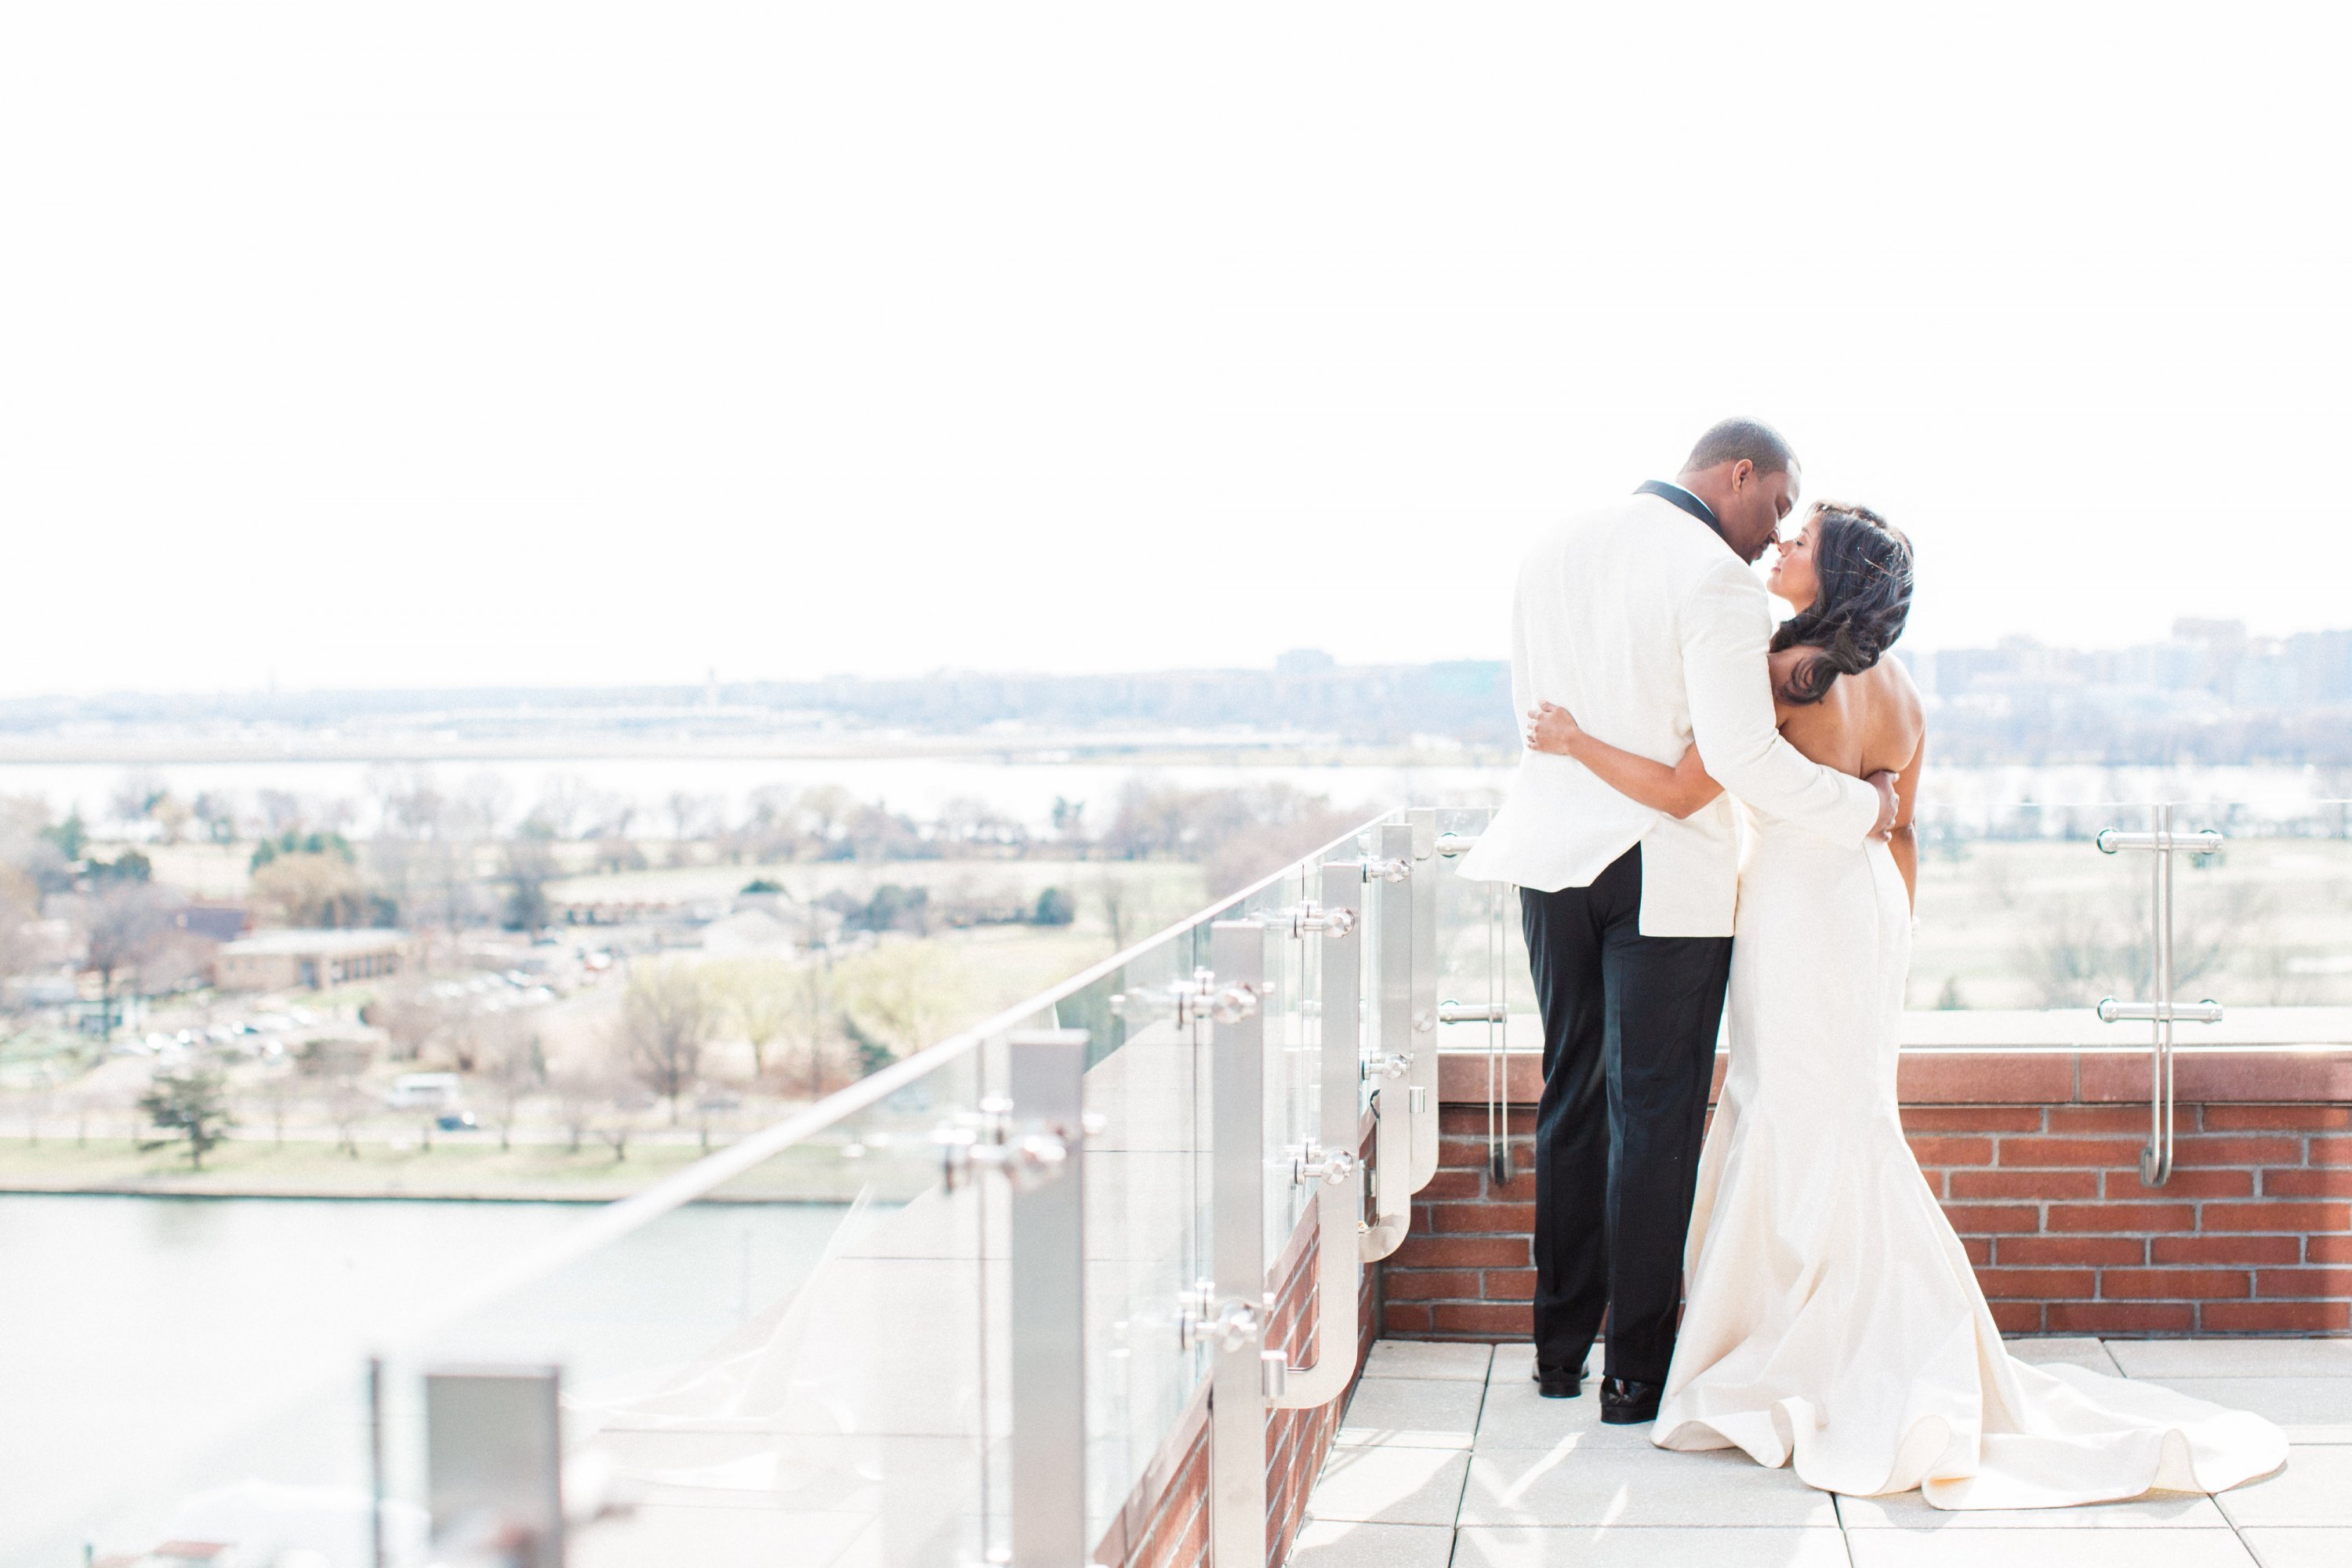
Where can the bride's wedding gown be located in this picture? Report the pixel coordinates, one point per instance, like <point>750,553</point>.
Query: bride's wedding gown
<point>1833,1322</point>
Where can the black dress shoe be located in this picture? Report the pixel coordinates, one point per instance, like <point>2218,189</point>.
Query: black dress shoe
<point>1625,1403</point>
<point>1559,1385</point>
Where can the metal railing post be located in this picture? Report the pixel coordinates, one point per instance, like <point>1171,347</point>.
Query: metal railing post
<point>1049,1386</point>
<point>2156,1160</point>
<point>1339,1174</point>
<point>1390,875</point>
<point>1423,1099</point>
<point>494,1463</point>
<point>1237,1324</point>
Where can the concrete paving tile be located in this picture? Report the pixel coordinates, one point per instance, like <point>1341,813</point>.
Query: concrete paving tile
<point>1336,1543</point>
<point>1517,1417</point>
<point>2300,1547</point>
<point>1389,1486</point>
<point>2082,1352</point>
<point>2056,1548</point>
<point>2232,1358</point>
<point>1728,1547</point>
<point>1422,1358</point>
<point>1413,1412</point>
<point>2310,1409</point>
<point>1571,1485</point>
<point>2314,1488</point>
<point>1909,1510</point>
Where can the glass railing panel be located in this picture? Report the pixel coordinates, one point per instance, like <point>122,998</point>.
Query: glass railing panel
<point>2263,925</point>
<point>296,1479</point>
<point>1291,1110</point>
<point>1473,959</point>
<point>807,1362</point>
<point>1147,1211</point>
<point>803,1359</point>
<point>2019,912</point>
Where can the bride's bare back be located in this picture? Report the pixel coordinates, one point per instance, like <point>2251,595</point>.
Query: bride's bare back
<point>1867,724</point>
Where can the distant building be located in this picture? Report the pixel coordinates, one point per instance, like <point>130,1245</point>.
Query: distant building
<point>214,922</point>
<point>745,932</point>
<point>283,960</point>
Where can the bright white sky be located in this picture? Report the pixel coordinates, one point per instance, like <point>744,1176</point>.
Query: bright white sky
<point>598,343</point>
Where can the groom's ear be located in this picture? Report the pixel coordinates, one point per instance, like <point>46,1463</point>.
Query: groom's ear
<point>1741,472</point>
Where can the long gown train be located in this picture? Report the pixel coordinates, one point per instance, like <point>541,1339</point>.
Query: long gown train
<point>1833,1322</point>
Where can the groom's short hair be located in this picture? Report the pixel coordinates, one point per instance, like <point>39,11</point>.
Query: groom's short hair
<point>1732,439</point>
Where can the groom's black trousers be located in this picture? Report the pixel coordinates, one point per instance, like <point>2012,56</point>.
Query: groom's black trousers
<point>1630,1025</point>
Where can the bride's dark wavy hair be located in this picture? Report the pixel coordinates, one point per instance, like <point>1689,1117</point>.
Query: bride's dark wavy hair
<point>1862,563</point>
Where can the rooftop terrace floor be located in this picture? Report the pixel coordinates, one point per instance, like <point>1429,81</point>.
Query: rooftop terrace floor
<point>1448,1458</point>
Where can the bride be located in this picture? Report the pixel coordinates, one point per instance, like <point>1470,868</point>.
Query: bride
<point>1832,1319</point>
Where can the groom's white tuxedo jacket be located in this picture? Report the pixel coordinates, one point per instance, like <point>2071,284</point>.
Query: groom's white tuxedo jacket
<point>1639,620</point>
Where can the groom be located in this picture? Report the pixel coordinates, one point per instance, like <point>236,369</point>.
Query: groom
<point>1642,618</point>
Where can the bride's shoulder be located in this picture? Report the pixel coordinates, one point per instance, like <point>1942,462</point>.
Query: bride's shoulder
<point>1895,677</point>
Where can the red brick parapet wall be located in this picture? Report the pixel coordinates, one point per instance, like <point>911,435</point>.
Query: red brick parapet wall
<point>1166,1523</point>
<point>2035,1155</point>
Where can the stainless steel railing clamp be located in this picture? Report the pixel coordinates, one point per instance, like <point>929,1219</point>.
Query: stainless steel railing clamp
<point>1310,1163</point>
<point>1190,1002</point>
<point>1454,845</point>
<point>1310,918</point>
<point>1391,1065</point>
<point>1393,870</point>
<point>2163,843</point>
<point>1230,1323</point>
<point>988,1138</point>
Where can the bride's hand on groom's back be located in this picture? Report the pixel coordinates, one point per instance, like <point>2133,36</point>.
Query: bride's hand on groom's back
<point>1550,727</point>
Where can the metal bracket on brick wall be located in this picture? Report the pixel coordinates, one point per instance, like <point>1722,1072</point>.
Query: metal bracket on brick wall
<point>2163,843</point>
<point>1235,1320</point>
<point>1390,1060</point>
<point>1333,1166</point>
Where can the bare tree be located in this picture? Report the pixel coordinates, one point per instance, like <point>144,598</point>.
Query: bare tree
<point>898,997</point>
<point>418,1017</point>
<point>530,866</point>
<point>135,795</point>
<point>563,802</point>
<point>281,810</point>
<point>578,1093</point>
<point>215,812</point>
<point>666,1014</point>
<point>513,1067</point>
<point>305,890</point>
<point>126,922</point>
<point>764,999</point>
<point>1113,893</point>
<point>689,813</point>
<point>278,1093</point>
<point>22,945</point>
<point>336,1067</point>
<point>170,815</point>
